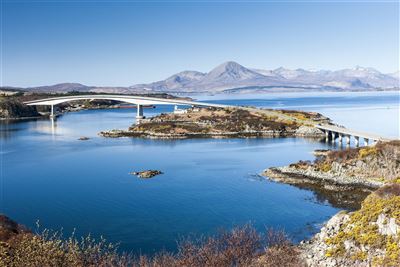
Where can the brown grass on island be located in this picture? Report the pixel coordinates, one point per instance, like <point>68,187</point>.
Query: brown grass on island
<point>242,246</point>
<point>225,121</point>
<point>302,115</point>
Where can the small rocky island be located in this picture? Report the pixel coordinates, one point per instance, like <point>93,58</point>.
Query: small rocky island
<point>147,174</point>
<point>226,122</point>
<point>369,235</point>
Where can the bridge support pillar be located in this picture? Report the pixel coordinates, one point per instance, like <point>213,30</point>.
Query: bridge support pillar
<point>52,112</point>
<point>340,138</point>
<point>357,141</point>
<point>333,137</point>
<point>139,114</point>
<point>348,140</point>
<point>326,135</point>
<point>366,141</point>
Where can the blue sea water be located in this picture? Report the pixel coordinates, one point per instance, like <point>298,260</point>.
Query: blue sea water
<point>208,184</point>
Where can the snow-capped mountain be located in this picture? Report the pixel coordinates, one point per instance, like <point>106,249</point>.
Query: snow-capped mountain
<point>228,75</point>
<point>231,75</point>
<point>290,74</point>
<point>230,72</point>
<point>395,75</point>
<point>369,76</point>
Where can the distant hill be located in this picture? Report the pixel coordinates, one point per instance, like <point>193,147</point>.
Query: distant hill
<point>61,87</point>
<point>233,77</point>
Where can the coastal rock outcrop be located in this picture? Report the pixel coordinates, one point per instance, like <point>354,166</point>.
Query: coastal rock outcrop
<point>369,167</point>
<point>12,109</point>
<point>369,236</point>
<point>308,131</point>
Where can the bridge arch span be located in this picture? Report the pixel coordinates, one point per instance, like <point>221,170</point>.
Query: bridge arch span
<point>137,100</point>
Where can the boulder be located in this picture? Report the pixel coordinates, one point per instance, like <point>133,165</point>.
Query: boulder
<point>309,131</point>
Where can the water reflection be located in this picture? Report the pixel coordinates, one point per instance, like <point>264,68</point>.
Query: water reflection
<point>45,126</point>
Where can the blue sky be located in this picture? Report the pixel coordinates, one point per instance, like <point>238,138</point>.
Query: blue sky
<point>126,42</point>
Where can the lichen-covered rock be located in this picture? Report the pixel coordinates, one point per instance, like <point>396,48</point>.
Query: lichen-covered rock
<point>387,226</point>
<point>367,237</point>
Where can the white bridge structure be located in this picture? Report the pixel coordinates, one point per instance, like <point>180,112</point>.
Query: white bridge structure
<point>331,131</point>
<point>139,101</point>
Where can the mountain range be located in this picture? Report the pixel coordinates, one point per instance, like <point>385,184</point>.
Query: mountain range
<point>233,77</point>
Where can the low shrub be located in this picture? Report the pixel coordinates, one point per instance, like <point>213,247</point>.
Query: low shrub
<point>389,190</point>
<point>367,151</point>
<point>242,246</point>
<point>325,166</point>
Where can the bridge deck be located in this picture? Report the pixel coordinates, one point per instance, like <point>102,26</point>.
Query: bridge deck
<point>141,100</point>
<point>346,131</point>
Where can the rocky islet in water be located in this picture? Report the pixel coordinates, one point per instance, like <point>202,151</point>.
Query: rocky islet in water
<point>225,123</point>
<point>146,174</point>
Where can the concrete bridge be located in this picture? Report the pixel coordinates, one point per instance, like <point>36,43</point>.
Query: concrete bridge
<point>332,132</point>
<point>140,101</point>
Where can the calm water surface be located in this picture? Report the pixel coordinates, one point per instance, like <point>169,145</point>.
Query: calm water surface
<point>50,176</point>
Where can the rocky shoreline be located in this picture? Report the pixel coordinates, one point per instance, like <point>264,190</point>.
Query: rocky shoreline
<point>368,236</point>
<point>344,196</point>
<point>314,250</point>
<point>294,176</point>
<point>242,134</point>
